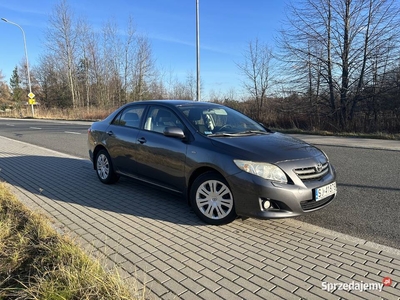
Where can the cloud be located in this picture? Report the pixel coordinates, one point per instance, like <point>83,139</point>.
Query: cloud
<point>203,46</point>
<point>16,7</point>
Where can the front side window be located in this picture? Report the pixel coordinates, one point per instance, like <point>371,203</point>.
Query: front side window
<point>158,118</point>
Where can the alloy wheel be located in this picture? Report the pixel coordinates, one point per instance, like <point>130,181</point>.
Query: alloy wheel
<point>103,166</point>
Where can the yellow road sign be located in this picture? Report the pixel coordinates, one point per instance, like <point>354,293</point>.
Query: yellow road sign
<point>31,95</point>
<point>32,101</point>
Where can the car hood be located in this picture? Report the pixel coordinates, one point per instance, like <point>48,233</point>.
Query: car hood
<point>273,148</point>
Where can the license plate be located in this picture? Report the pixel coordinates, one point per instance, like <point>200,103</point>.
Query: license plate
<point>325,191</point>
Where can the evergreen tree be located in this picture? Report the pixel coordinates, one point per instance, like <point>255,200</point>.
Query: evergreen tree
<point>14,80</point>
<point>16,89</point>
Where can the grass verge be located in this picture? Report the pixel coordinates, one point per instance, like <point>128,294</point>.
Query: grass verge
<point>36,262</point>
<point>71,114</point>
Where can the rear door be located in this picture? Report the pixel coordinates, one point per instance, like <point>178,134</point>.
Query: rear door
<point>122,141</point>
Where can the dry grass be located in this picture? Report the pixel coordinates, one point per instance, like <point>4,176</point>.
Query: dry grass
<point>81,114</point>
<point>74,114</point>
<point>38,263</point>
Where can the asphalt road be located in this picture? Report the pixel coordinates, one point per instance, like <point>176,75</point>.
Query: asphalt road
<point>368,199</point>
<point>63,136</point>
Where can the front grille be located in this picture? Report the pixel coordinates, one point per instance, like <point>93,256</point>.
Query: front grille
<point>312,204</point>
<point>312,173</point>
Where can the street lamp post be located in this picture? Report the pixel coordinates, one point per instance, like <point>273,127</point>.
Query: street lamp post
<point>197,51</point>
<point>26,57</point>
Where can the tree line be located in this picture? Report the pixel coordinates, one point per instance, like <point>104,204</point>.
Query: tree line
<point>336,66</point>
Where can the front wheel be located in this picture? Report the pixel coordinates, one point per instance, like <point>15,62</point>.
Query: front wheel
<point>104,168</point>
<point>212,199</point>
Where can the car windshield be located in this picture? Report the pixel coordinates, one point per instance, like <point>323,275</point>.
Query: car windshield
<point>221,121</point>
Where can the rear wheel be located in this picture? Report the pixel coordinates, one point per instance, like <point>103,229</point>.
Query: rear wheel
<point>104,168</point>
<point>212,199</point>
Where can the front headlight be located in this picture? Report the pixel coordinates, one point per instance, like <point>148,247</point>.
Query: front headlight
<point>264,170</point>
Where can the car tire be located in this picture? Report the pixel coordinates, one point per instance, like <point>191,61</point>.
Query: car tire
<point>212,199</point>
<point>104,168</point>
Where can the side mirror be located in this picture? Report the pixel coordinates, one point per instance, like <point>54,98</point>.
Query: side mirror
<point>174,131</point>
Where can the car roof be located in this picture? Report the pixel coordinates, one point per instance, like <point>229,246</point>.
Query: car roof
<point>175,102</point>
<point>171,103</point>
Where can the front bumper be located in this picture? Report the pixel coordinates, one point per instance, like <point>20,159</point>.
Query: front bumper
<point>288,200</point>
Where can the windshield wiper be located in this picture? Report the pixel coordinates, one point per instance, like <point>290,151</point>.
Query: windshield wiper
<point>253,132</point>
<point>248,132</point>
<point>221,134</point>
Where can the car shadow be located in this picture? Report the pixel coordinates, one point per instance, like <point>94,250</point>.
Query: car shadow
<point>74,181</point>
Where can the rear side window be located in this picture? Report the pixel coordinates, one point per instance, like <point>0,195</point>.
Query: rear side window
<point>130,117</point>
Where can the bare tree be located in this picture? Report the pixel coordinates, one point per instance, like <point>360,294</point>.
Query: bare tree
<point>61,42</point>
<point>256,69</point>
<point>106,69</point>
<point>111,65</point>
<point>86,42</point>
<point>143,67</point>
<point>129,57</point>
<point>340,40</point>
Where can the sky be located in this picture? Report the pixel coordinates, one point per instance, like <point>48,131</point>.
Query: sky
<point>226,28</point>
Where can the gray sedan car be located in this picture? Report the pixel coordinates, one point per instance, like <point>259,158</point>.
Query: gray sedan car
<point>224,163</point>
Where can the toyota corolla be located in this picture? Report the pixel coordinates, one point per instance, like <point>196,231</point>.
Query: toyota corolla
<point>224,163</point>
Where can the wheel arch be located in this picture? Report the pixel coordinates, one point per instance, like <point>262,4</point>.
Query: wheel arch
<point>211,197</point>
<point>195,174</point>
<point>95,151</point>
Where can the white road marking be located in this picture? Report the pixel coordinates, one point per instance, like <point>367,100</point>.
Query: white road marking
<point>10,125</point>
<point>38,128</point>
<point>71,132</point>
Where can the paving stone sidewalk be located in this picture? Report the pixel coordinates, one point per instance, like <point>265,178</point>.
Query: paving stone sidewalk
<point>152,235</point>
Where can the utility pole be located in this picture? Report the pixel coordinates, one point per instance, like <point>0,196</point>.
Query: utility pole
<point>197,51</point>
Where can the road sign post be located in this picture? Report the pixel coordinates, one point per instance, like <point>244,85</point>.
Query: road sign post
<point>32,101</point>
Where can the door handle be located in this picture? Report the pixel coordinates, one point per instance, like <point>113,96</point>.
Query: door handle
<point>142,140</point>
<point>110,133</point>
